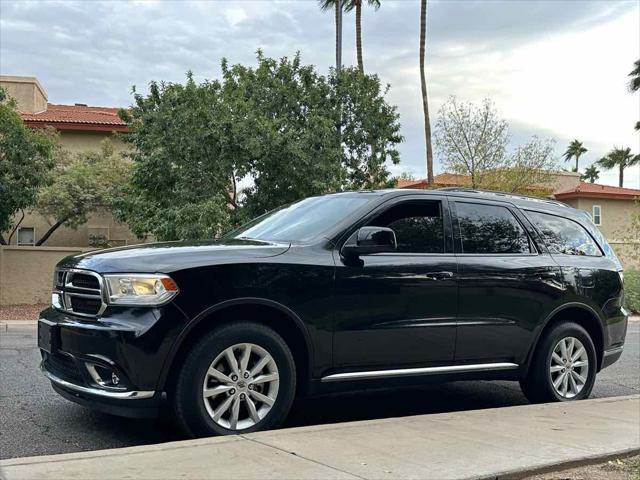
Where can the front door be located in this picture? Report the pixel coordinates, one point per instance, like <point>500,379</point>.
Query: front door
<point>399,309</point>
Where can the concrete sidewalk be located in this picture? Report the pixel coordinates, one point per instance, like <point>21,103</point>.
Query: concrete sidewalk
<point>473,444</point>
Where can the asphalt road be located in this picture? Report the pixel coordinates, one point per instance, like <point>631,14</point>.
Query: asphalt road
<point>36,421</point>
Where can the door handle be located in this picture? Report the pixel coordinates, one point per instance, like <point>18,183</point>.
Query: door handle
<point>438,275</point>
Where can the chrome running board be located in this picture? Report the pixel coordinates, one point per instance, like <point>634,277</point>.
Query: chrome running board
<point>408,372</point>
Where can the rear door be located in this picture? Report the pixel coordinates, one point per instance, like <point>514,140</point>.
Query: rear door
<point>590,275</point>
<point>507,283</point>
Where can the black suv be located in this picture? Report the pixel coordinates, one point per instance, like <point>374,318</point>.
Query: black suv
<point>346,290</point>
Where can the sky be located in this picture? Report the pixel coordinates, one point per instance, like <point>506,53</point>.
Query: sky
<point>556,69</point>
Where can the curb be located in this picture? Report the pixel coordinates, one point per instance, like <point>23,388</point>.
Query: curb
<point>6,325</point>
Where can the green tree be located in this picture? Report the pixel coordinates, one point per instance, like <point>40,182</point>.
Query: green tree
<point>591,174</point>
<point>423,86</point>
<point>26,156</point>
<point>574,150</point>
<point>527,170</point>
<point>286,121</point>
<point>79,185</point>
<point>272,126</point>
<point>620,158</point>
<point>370,129</point>
<point>184,170</point>
<point>350,5</point>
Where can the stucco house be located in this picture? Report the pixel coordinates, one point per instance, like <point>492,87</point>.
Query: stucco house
<point>611,208</point>
<point>81,128</point>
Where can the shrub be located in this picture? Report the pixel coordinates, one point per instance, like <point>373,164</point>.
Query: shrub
<point>632,289</point>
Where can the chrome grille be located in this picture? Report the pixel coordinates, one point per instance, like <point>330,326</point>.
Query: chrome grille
<point>79,292</point>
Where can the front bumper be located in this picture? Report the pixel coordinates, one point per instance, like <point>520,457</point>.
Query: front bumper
<point>112,363</point>
<point>95,392</point>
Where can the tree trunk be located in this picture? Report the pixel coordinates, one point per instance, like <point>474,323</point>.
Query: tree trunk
<point>359,35</point>
<point>577,156</point>
<point>53,228</point>
<point>15,228</point>
<point>423,83</point>
<point>621,180</point>
<point>338,35</point>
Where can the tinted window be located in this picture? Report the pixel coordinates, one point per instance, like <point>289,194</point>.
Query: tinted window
<point>418,226</point>
<point>562,235</point>
<point>302,221</point>
<point>490,229</point>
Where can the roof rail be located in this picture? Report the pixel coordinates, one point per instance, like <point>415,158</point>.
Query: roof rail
<point>503,194</point>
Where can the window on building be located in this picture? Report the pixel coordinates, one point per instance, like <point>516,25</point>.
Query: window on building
<point>490,229</point>
<point>26,236</point>
<point>596,215</point>
<point>562,235</point>
<point>418,226</point>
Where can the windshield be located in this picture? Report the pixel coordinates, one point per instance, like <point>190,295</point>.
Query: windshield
<point>302,221</point>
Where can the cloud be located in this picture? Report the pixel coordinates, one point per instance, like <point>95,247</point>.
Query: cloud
<point>554,68</point>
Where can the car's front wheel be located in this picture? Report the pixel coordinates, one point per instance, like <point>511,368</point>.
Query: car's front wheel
<point>239,378</point>
<point>563,367</point>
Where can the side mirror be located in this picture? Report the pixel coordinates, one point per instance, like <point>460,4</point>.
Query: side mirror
<point>368,240</point>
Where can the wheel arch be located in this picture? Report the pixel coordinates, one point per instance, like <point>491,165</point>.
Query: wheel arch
<point>583,315</point>
<point>267,312</point>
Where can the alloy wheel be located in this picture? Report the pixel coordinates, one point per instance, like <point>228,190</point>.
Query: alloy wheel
<point>240,386</point>
<point>569,367</point>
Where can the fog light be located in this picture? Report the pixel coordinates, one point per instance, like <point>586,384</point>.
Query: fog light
<point>115,379</point>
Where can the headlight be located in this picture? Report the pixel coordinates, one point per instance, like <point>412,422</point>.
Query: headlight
<point>139,289</point>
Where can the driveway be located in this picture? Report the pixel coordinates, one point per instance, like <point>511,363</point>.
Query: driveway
<point>36,421</point>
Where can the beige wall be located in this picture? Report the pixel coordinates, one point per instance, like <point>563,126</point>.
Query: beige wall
<point>99,223</point>
<point>77,141</point>
<point>27,92</point>
<point>26,274</point>
<point>616,215</point>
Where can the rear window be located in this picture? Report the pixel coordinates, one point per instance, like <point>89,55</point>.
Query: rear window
<point>564,236</point>
<point>490,229</point>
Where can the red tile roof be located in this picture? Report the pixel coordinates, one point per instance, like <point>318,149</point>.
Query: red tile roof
<point>595,190</point>
<point>76,117</point>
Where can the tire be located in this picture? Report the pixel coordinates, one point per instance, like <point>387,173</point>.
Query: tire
<point>538,385</point>
<point>196,415</point>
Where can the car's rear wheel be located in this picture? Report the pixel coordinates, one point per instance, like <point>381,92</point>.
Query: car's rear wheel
<point>239,378</point>
<point>563,367</point>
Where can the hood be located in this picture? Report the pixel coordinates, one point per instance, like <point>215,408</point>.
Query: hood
<point>167,257</point>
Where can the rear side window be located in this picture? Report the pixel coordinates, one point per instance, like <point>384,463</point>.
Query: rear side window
<point>564,236</point>
<point>490,229</point>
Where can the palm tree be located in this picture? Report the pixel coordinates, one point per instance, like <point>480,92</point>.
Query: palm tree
<point>591,173</point>
<point>423,84</point>
<point>621,158</point>
<point>634,83</point>
<point>336,6</point>
<point>575,150</point>
<point>357,4</point>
